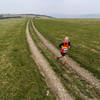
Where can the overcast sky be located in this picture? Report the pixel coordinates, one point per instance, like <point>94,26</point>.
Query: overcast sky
<point>51,7</point>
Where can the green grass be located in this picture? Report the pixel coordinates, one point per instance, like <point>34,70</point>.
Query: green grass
<point>20,78</point>
<point>84,36</point>
<point>72,82</point>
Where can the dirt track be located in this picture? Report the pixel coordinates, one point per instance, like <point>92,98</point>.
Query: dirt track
<point>44,67</point>
<point>74,65</point>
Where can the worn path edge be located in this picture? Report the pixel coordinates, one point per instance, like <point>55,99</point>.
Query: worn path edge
<point>52,80</point>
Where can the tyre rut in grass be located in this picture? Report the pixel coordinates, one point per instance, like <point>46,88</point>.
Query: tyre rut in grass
<point>50,76</point>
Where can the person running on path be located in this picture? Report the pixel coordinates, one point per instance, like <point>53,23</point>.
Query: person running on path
<point>64,46</point>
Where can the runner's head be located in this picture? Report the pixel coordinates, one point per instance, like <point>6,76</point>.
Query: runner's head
<point>66,39</point>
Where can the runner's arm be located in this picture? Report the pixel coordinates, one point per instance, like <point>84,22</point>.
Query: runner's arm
<point>69,44</point>
<point>60,44</point>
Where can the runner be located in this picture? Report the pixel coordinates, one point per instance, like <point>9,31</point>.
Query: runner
<point>64,46</point>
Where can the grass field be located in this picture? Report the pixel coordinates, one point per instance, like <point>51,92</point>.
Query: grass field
<point>19,76</point>
<point>84,36</point>
<point>77,88</point>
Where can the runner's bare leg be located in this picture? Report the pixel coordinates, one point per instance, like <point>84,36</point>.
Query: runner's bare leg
<point>64,61</point>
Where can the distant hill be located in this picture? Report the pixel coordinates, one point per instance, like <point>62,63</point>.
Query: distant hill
<point>23,15</point>
<point>5,16</point>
